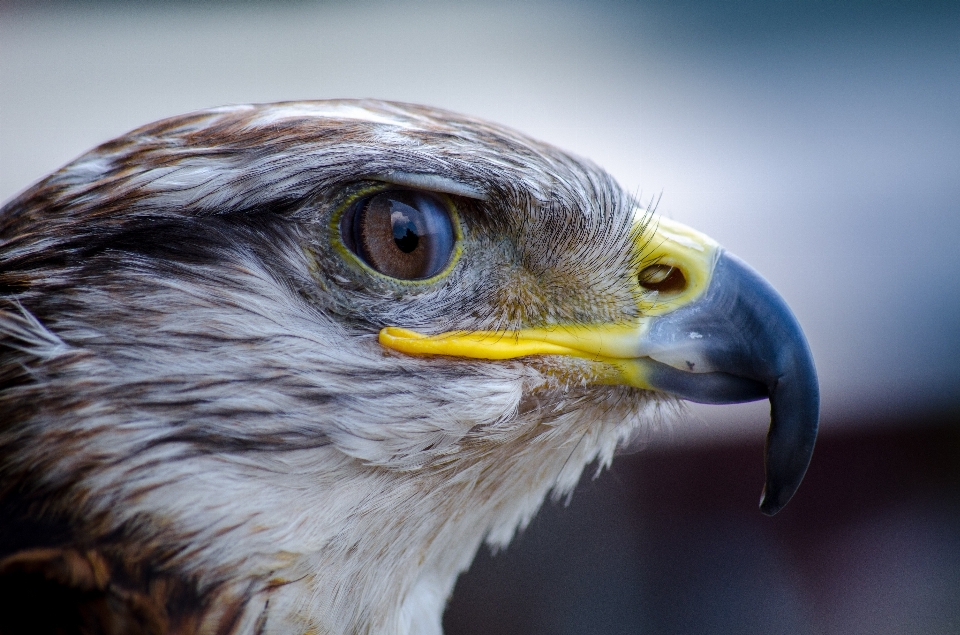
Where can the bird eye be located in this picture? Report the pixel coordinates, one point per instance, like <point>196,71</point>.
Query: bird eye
<point>403,234</point>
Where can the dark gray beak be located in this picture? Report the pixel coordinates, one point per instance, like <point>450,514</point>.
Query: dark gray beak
<point>740,342</point>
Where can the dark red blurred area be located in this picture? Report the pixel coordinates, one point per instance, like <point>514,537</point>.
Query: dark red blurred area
<point>671,540</point>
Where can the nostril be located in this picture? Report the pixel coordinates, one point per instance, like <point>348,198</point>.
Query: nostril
<point>662,278</point>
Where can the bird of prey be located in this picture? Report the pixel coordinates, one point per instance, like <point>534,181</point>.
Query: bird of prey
<point>284,368</point>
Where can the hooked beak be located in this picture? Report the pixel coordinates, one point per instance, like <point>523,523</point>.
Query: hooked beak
<point>712,331</point>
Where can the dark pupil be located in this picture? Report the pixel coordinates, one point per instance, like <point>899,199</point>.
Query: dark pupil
<point>404,229</point>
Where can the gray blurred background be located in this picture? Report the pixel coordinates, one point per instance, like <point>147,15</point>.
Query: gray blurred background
<point>819,141</point>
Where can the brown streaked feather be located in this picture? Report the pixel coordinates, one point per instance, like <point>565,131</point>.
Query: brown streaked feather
<point>65,590</point>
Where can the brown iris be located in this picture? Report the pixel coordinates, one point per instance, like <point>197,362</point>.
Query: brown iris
<point>405,234</point>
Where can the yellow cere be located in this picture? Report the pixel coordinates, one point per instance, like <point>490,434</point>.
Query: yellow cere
<point>619,345</point>
<point>676,245</point>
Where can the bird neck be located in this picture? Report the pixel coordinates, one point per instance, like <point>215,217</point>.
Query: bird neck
<point>379,551</point>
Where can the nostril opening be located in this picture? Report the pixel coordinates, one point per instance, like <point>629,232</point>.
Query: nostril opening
<point>662,278</point>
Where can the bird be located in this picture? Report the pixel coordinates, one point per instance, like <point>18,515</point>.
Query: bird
<point>285,368</point>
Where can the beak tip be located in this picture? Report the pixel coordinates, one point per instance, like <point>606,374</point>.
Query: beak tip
<point>789,450</point>
<point>769,510</point>
<point>771,505</point>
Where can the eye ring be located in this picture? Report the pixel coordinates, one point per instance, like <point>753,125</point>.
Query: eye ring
<point>407,235</point>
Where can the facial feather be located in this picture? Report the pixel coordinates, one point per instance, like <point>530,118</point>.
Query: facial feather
<point>192,382</point>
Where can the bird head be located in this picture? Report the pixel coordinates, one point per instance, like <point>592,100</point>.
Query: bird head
<point>297,361</point>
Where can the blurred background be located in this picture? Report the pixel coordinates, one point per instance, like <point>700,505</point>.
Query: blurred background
<point>818,140</point>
